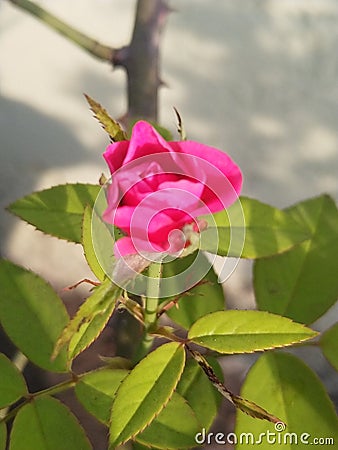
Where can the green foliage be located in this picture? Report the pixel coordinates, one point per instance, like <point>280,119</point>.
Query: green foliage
<point>46,424</point>
<point>12,383</point>
<point>98,239</point>
<point>96,391</point>
<point>204,298</point>
<point>251,229</point>
<point>89,320</point>
<point>197,390</point>
<point>57,211</point>
<point>329,345</point>
<point>109,125</point>
<point>246,331</point>
<point>3,436</point>
<point>302,284</point>
<point>161,399</point>
<point>32,315</point>
<point>138,446</point>
<point>145,391</point>
<point>284,385</point>
<point>175,426</point>
<point>88,246</point>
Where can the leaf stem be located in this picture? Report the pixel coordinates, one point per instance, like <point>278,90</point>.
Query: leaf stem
<point>150,309</point>
<point>153,292</point>
<point>96,49</point>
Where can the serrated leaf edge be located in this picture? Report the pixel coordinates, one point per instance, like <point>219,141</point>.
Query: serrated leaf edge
<point>163,406</point>
<point>59,343</point>
<point>89,209</point>
<point>167,448</point>
<point>72,355</point>
<point>8,208</point>
<point>306,338</point>
<point>96,107</point>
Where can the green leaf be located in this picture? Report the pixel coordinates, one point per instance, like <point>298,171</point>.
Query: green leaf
<point>253,410</point>
<point>46,424</point>
<point>89,321</point>
<point>174,428</point>
<point>96,391</point>
<point>138,446</point>
<point>247,331</point>
<point>95,225</point>
<point>283,384</point>
<point>145,392</point>
<point>12,383</point>
<point>57,211</point>
<point>204,298</point>
<point>302,284</point>
<point>98,238</point>
<point>203,398</point>
<point>32,315</point>
<point>109,125</point>
<point>251,229</point>
<point>3,436</point>
<point>329,345</point>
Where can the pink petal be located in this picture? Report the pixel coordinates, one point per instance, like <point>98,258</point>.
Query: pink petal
<point>124,246</point>
<point>115,154</point>
<point>145,140</point>
<point>216,158</point>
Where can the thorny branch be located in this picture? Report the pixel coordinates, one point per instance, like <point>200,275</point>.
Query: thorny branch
<point>140,59</point>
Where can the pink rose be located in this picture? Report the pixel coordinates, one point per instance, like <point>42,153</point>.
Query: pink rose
<point>159,187</point>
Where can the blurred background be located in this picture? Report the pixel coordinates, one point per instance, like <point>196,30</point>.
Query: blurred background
<point>257,78</point>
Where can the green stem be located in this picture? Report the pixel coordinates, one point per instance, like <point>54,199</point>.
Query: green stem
<point>96,49</point>
<point>49,391</point>
<point>153,292</point>
<point>150,310</point>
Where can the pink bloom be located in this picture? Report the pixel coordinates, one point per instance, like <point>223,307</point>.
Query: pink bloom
<point>158,187</point>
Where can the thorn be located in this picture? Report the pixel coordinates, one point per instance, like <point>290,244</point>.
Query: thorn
<point>85,280</point>
<point>162,83</point>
